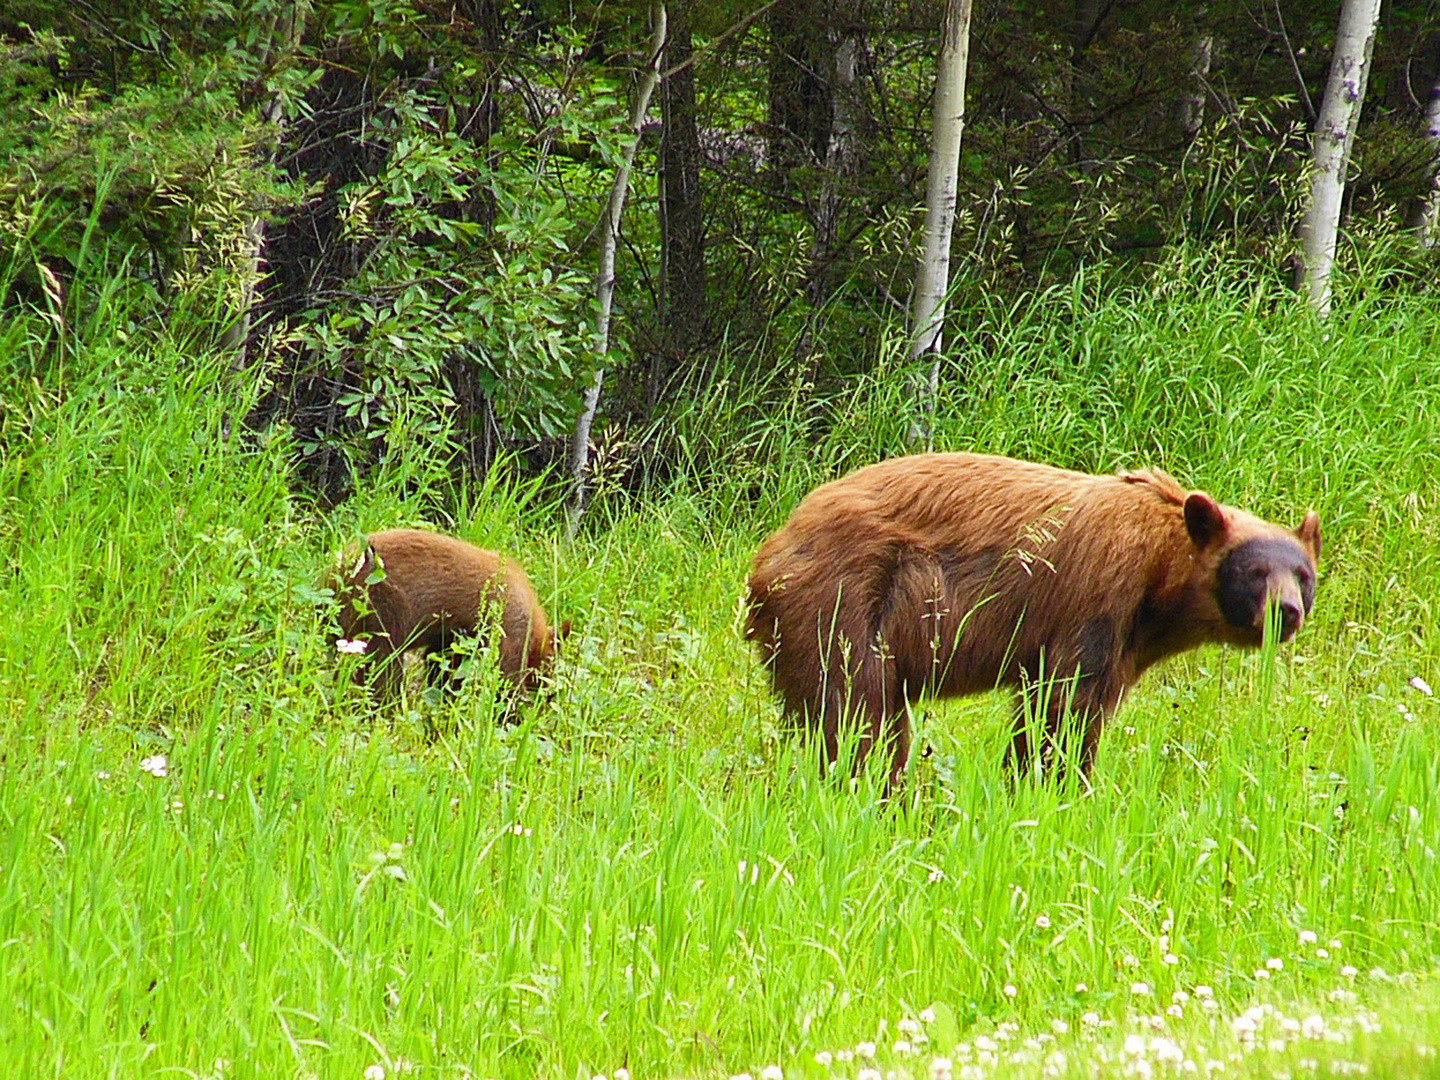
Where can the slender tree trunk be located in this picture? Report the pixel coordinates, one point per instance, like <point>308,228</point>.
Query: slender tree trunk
<point>682,222</point>
<point>932,277</point>
<point>1330,146</point>
<point>838,169</point>
<point>1427,221</point>
<point>1190,110</point>
<point>605,278</point>
<point>800,62</point>
<point>285,32</point>
<point>1085,19</point>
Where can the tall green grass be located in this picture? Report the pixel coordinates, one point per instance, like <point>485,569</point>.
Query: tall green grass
<point>644,871</point>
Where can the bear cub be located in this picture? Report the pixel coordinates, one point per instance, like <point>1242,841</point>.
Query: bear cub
<point>431,590</point>
<point>951,573</point>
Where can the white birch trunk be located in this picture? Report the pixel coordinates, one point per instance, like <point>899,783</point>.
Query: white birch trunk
<point>1427,222</point>
<point>1330,146</point>
<point>605,276</point>
<point>932,276</point>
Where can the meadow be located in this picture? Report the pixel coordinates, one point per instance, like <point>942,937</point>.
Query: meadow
<point>219,858</point>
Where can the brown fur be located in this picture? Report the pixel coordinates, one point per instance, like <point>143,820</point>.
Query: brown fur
<point>435,589</point>
<point>950,574</point>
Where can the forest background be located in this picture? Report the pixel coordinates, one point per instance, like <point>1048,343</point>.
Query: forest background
<point>274,274</point>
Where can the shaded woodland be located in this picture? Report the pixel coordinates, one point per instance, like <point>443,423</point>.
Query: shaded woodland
<point>386,212</point>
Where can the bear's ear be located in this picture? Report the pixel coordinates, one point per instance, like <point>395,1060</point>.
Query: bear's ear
<point>1204,520</point>
<point>562,632</point>
<point>1309,533</point>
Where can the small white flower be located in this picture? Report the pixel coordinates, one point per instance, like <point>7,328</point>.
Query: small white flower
<point>375,1072</point>
<point>772,1072</point>
<point>1042,921</point>
<point>1130,961</point>
<point>1134,1045</point>
<point>1348,971</point>
<point>1261,973</point>
<point>1308,937</point>
<point>1420,684</point>
<point>102,775</point>
<point>1322,953</point>
<point>1081,988</point>
<point>156,765</point>
<point>1176,1010</point>
<point>1274,963</point>
<point>351,646</point>
<point>1090,1019</point>
<point>823,1058</point>
<point>1243,1028</point>
<point>1011,990</point>
<point>1059,1027</point>
<point>1140,989</point>
<point>902,1048</point>
<point>906,1026</point>
<point>1170,959</point>
<point>1166,1051</point>
<point>1179,997</point>
<point>622,1073</point>
<point>865,1050</point>
<point>927,1016</point>
<point>740,1076</point>
<point>1203,991</point>
<point>940,1068</point>
<point>868,1074</point>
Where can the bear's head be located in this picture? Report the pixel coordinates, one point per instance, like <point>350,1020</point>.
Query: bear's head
<point>1256,565</point>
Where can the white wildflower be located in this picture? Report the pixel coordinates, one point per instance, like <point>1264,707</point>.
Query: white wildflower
<point>155,765</point>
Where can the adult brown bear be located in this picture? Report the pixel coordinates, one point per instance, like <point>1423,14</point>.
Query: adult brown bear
<point>950,574</point>
<point>431,589</point>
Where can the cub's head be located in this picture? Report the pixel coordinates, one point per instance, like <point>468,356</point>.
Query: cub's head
<point>540,656</point>
<point>1256,564</point>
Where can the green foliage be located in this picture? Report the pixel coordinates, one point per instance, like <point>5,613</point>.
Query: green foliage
<point>644,871</point>
<point>142,193</point>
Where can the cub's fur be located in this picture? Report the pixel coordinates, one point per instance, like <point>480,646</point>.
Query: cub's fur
<point>950,574</point>
<point>433,589</point>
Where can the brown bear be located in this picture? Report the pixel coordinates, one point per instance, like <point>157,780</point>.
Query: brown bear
<point>431,589</point>
<point>953,573</point>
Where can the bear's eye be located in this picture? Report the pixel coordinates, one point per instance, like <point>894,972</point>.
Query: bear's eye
<point>1259,574</point>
